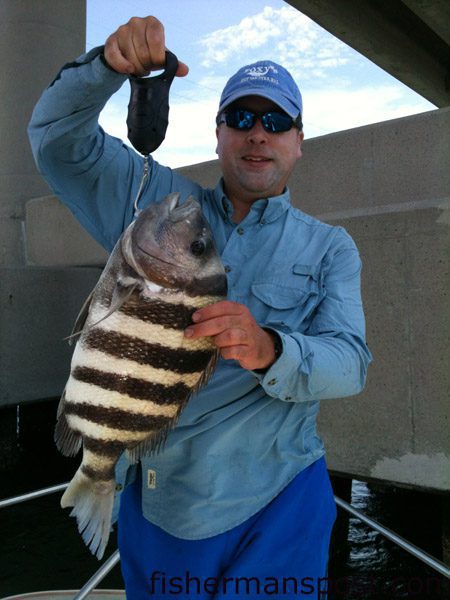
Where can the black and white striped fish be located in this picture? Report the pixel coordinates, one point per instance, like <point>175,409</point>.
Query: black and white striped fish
<point>133,370</point>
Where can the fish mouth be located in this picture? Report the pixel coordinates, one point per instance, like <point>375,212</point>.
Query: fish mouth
<point>180,212</point>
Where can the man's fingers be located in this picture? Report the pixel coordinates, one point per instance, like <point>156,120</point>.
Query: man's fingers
<point>128,47</point>
<point>214,326</point>
<point>182,70</point>
<point>153,44</point>
<point>225,307</point>
<point>138,47</point>
<point>114,57</point>
<point>229,319</point>
<point>235,333</point>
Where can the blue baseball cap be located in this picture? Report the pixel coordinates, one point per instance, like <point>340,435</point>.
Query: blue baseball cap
<point>267,79</point>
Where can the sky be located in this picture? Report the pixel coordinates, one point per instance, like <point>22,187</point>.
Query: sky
<point>341,89</point>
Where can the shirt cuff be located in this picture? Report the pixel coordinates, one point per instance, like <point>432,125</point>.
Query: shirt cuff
<point>277,380</point>
<point>94,72</point>
<point>100,68</point>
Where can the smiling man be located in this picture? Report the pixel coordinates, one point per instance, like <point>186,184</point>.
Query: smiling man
<point>257,159</point>
<point>238,503</point>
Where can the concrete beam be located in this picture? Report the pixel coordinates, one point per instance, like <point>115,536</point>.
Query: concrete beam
<point>54,238</point>
<point>38,307</point>
<point>404,43</point>
<point>36,38</point>
<point>435,14</point>
<point>397,429</point>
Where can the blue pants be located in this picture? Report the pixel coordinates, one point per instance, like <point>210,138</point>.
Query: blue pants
<point>280,552</point>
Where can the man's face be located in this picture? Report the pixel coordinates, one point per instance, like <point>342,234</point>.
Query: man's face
<point>256,163</point>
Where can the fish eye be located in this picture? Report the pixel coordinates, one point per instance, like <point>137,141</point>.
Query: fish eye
<point>198,247</point>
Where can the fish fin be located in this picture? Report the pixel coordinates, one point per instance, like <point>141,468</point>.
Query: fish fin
<point>92,504</point>
<point>67,440</point>
<point>151,445</point>
<point>81,318</point>
<point>209,369</point>
<point>69,338</point>
<point>120,295</point>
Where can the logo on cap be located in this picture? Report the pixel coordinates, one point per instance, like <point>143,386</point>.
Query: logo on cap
<point>260,71</point>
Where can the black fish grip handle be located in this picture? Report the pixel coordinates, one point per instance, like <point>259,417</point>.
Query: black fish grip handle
<point>148,109</point>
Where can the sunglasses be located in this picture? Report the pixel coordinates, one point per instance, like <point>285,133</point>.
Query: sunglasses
<point>273,121</point>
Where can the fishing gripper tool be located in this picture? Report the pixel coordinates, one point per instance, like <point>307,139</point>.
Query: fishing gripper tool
<point>148,114</point>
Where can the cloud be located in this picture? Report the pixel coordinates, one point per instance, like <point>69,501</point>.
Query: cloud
<point>295,39</point>
<point>251,32</point>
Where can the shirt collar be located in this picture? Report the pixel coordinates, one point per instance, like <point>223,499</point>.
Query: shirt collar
<point>262,211</point>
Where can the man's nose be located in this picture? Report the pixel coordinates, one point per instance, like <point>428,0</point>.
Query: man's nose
<point>257,134</point>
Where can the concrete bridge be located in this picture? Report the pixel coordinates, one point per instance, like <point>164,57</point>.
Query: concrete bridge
<point>388,184</point>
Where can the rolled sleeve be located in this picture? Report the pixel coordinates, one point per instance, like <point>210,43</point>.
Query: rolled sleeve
<point>330,359</point>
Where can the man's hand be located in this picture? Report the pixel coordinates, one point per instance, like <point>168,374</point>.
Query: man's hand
<point>235,332</point>
<point>138,47</point>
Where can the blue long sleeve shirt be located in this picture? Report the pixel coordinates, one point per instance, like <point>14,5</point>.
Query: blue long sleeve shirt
<point>244,436</point>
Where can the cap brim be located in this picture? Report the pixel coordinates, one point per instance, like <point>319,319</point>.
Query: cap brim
<point>280,101</point>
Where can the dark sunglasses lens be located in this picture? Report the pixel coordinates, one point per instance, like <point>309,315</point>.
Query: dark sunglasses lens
<point>276,122</point>
<point>240,119</point>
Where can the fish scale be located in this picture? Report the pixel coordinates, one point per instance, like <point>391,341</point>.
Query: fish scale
<point>133,370</point>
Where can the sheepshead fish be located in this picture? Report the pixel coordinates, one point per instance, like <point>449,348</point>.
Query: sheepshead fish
<point>133,370</point>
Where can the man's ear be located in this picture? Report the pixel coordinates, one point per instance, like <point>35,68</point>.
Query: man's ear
<point>217,138</point>
<point>300,139</point>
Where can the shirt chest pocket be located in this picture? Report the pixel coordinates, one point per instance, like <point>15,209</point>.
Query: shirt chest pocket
<point>287,303</point>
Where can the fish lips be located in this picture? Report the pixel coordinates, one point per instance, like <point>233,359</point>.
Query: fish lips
<point>213,285</point>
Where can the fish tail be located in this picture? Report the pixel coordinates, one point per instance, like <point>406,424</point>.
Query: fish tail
<point>92,504</point>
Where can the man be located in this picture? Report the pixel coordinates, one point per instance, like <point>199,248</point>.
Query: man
<point>239,502</point>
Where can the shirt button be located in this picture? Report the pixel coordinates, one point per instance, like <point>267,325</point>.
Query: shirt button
<point>272,382</point>
<point>240,230</point>
<point>227,269</point>
<point>288,398</point>
<point>119,487</point>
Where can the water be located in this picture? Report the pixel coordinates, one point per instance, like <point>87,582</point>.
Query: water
<point>41,548</point>
<point>373,568</point>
